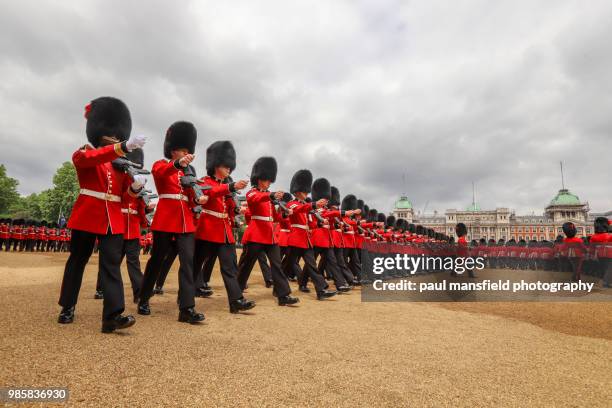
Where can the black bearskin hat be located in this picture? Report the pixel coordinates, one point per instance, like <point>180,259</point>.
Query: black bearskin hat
<point>411,228</point>
<point>349,202</point>
<point>136,156</point>
<point>360,206</point>
<point>601,224</point>
<point>335,197</point>
<point>301,182</point>
<point>43,223</point>
<point>461,229</point>
<point>482,241</point>
<point>264,168</point>
<point>569,229</point>
<point>430,233</point>
<point>420,230</point>
<point>321,189</point>
<point>107,116</point>
<point>180,135</point>
<point>372,215</point>
<point>559,239</point>
<point>381,217</point>
<point>491,242</point>
<point>401,224</point>
<point>390,222</point>
<point>366,211</point>
<point>220,153</point>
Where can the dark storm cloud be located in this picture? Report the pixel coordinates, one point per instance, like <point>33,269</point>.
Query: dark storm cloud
<point>381,97</point>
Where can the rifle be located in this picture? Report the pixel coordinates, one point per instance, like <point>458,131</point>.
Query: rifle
<point>147,196</point>
<point>281,203</point>
<point>189,180</point>
<point>129,167</point>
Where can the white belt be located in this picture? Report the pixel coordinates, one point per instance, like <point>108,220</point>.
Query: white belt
<point>262,218</point>
<point>174,197</point>
<point>214,213</point>
<point>285,230</point>
<point>129,211</point>
<point>304,227</point>
<point>350,232</point>
<point>339,230</point>
<point>326,226</point>
<point>100,195</point>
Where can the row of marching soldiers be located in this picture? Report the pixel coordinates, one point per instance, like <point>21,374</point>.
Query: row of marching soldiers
<point>29,235</point>
<point>193,221</point>
<point>589,255</point>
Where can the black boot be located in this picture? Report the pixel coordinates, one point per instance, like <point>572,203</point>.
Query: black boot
<point>343,289</point>
<point>99,294</point>
<point>117,323</point>
<point>241,304</point>
<point>304,289</point>
<point>287,300</point>
<point>269,284</point>
<point>158,291</point>
<point>203,292</point>
<point>189,315</point>
<point>326,294</point>
<point>66,315</point>
<point>144,309</point>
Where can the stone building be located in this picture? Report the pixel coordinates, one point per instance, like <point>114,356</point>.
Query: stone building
<point>503,223</point>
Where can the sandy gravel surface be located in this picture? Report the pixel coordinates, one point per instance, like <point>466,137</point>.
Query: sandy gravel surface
<point>335,353</point>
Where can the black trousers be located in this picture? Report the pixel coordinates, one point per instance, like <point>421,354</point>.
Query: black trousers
<point>263,264</point>
<point>329,262</point>
<point>291,271</point>
<point>351,258</point>
<point>251,252</point>
<point>203,277</point>
<point>205,250</point>
<point>131,252</point>
<point>81,247</point>
<point>162,241</point>
<point>166,265</point>
<point>310,266</point>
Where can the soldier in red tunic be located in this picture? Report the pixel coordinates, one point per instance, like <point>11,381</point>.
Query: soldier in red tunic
<point>260,233</point>
<point>322,240</point>
<point>173,222</point>
<point>214,235</point>
<point>134,211</point>
<point>97,211</point>
<point>300,241</point>
<point>5,234</point>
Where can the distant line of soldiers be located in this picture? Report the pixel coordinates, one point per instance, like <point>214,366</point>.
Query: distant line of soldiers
<point>33,236</point>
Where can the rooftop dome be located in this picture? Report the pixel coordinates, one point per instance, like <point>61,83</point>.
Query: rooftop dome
<point>403,203</point>
<point>473,207</point>
<point>564,197</point>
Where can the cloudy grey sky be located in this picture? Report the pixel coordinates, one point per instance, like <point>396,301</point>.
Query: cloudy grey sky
<point>381,97</point>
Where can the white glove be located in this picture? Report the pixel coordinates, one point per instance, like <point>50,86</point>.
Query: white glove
<point>136,142</point>
<point>139,182</point>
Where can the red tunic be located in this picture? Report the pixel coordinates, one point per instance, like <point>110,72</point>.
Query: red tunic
<point>97,176</point>
<point>300,235</point>
<point>173,211</point>
<point>284,229</point>
<point>215,224</point>
<point>263,216</point>
<point>133,209</point>
<point>321,236</point>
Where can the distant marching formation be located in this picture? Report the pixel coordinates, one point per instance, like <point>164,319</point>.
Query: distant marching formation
<point>194,219</point>
<point>28,235</point>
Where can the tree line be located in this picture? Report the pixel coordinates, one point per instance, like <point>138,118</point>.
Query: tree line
<point>47,205</point>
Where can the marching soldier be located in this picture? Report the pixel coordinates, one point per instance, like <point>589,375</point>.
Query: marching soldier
<point>97,211</point>
<point>133,209</point>
<point>214,235</point>
<point>173,222</point>
<point>260,232</point>
<point>299,241</point>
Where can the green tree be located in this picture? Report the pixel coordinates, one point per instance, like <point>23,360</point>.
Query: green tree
<point>8,191</point>
<point>62,196</point>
